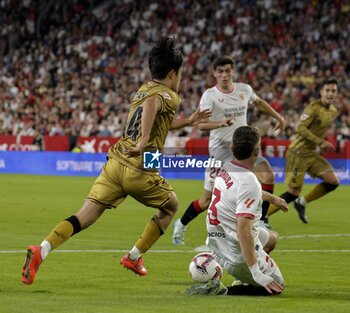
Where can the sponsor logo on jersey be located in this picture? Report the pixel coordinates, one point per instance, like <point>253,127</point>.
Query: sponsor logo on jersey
<point>216,234</point>
<point>165,95</point>
<point>304,117</point>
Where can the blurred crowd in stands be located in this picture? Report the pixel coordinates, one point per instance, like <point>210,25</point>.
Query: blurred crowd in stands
<point>72,67</point>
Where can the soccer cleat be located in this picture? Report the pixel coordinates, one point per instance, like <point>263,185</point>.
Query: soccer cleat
<point>301,210</point>
<point>179,233</point>
<point>31,264</point>
<point>211,288</point>
<point>138,267</point>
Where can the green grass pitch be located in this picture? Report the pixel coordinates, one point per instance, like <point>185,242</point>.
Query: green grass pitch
<point>314,258</point>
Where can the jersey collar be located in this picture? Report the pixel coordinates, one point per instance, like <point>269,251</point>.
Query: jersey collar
<point>224,91</point>
<point>240,165</point>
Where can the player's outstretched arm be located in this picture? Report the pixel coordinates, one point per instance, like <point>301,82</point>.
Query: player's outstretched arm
<point>210,125</point>
<point>277,201</point>
<point>195,118</point>
<point>263,106</point>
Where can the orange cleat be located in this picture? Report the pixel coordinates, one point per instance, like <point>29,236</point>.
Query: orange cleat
<point>31,264</point>
<point>138,267</point>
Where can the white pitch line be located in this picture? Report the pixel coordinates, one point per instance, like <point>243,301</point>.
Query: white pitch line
<point>170,251</point>
<point>191,251</point>
<point>312,251</point>
<point>314,236</point>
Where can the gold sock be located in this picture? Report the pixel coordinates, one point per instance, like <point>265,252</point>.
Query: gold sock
<point>150,235</point>
<point>317,192</point>
<point>61,233</point>
<point>272,209</point>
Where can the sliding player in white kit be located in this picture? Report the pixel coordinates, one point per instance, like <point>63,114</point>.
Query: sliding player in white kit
<point>228,103</point>
<point>233,223</point>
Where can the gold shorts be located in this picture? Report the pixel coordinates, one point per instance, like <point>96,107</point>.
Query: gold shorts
<point>297,166</point>
<point>116,181</point>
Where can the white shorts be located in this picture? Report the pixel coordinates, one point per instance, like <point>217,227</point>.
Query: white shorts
<point>264,236</point>
<point>241,271</point>
<point>211,172</point>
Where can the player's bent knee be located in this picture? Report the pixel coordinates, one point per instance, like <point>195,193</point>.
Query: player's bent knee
<point>295,191</point>
<point>272,242</point>
<point>268,178</point>
<point>265,173</point>
<point>172,205</point>
<point>89,213</point>
<point>204,204</point>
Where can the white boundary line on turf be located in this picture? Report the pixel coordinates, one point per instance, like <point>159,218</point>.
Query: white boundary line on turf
<point>184,251</point>
<point>170,251</point>
<point>314,236</point>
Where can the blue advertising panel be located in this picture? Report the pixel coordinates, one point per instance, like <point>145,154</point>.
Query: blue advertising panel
<point>51,163</point>
<point>170,166</point>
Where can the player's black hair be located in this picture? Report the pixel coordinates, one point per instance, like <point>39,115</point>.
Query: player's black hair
<point>164,57</point>
<point>329,82</point>
<point>244,142</point>
<point>223,60</point>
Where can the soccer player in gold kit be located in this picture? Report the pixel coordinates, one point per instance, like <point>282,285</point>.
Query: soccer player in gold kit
<point>149,120</point>
<point>304,153</point>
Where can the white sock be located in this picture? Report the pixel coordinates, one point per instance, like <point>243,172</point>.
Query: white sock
<point>45,249</point>
<point>302,201</point>
<point>135,253</point>
<point>182,226</point>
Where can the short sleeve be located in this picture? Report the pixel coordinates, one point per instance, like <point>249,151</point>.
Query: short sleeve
<point>307,116</point>
<point>206,102</point>
<point>305,121</point>
<point>169,102</point>
<point>248,199</point>
<point>251,94</point>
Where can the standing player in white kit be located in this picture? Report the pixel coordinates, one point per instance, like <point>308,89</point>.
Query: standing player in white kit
<point>228,102</point>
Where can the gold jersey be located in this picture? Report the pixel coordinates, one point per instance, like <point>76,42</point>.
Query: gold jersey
<point>170,101</point>
<point>315,121</point>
